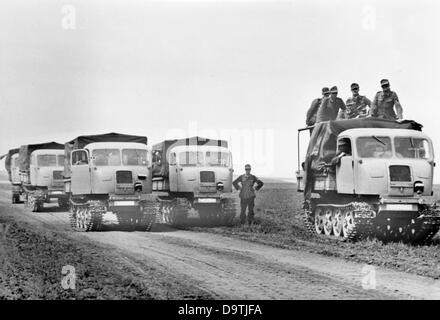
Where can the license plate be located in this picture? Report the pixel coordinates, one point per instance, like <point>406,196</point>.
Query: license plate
<point>400,207</point>
<point>56,192</point>
<point>207,200</point>
<point>124,203</point>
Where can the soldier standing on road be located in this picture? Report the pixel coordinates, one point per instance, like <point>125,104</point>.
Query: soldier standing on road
<point>247,193</point>
<point>313,110</point>
<point>329,108</point>
<point>384,103</point>
<point>357,104</point>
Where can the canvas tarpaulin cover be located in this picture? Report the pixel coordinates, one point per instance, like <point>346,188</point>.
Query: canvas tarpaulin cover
<point>82,141</point>
<point>8,158</point>
<point>322,144</point>
<point>26,150</point>
<point>164,147</point>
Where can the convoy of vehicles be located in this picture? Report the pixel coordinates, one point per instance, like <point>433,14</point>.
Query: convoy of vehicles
<point>110,172</point>
<point>369,177</point>
<point>194,174</point>
<point>360,178</point>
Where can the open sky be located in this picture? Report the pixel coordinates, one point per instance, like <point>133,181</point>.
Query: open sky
<point>246,71</point>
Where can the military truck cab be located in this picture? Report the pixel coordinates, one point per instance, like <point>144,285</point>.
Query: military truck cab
<point>46,171</point>
<point>201,170</point>
<point>385,162</point>
<point>41,174</point>
<point>111,168</point>
<point>369,177</point>
<point>194,173</point>
<point>110,173</point>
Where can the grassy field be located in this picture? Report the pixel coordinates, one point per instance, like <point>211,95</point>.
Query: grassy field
<point>279,223</point>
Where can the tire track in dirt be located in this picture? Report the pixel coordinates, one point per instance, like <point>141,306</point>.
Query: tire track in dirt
<point>236,269</point>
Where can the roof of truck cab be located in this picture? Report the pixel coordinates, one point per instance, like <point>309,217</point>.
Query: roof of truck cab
<point>362,132</point>
<point>48,151</point>
<point>202,148</point>
<point>116,145</point>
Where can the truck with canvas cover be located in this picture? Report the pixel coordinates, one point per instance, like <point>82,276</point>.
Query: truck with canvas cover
<point>12,167</point>
<point>369,177</point>
<point>110,172</point>
<point>41,174</point>
<point>194,174</point>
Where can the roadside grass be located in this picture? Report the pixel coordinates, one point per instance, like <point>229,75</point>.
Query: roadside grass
<point>278,222</point>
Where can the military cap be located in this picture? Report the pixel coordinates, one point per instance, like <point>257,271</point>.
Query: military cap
<point>350,103</point>
<point>354,86</point>
<point>325,90</point>
<point>334,89</point>
<point>384,82</point>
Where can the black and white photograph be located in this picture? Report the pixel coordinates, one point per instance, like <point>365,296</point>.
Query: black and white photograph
<point>214,156</point>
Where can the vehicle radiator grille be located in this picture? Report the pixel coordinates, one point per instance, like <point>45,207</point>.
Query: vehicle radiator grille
<point>400,174</point>
<point>207,177</point>
<point>58,175</point>
<point>124,177</point>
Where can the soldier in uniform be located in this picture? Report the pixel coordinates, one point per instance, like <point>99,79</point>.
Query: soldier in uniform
<point>384,103</point>
<point>330,106</point>
<point>245,183</point>
<point>313,110</point>
<point>357,104</point>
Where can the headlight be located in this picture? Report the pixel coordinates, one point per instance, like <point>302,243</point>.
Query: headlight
<point>220,186</point>
<point>419,187</point>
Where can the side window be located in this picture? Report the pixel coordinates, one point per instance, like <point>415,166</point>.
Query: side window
<point>157,157</point>
<point>344,145</point>
<point>79,157</point>
<point>172,159</point>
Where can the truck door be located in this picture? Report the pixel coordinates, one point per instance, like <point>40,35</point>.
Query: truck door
<point>187,169</point>
<point>344,168</point>
<point>80,177</point>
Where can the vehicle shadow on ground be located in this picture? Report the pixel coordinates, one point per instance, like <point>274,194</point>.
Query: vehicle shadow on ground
<point>158,227</point>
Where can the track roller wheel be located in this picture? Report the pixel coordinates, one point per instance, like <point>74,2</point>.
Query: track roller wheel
<point>319,220</point>
<point>338,221</point>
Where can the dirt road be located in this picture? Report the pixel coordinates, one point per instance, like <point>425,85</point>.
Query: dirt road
<point>227,268</point>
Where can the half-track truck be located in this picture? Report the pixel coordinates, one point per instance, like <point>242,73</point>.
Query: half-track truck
<point>41,174</point>
<point>194,174</point>
<point>12,167</point>
<point>110,173</point>
<point>369,177</point>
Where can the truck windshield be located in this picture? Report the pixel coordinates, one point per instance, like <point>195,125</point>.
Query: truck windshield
<point>374,147</point>
<point>214,158</point>
<point>60,160</point>
<point>106,157</point>
<point>47,160</point>
<point>408,147</point>
<point>134,157</point>
<point>191,158</point>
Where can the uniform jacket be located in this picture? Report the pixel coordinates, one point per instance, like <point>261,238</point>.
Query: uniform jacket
<point>247,190</point>
<point>313,110</point>
<point>383,105</point>
<point>329,108</point>
<point>360,102</point>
